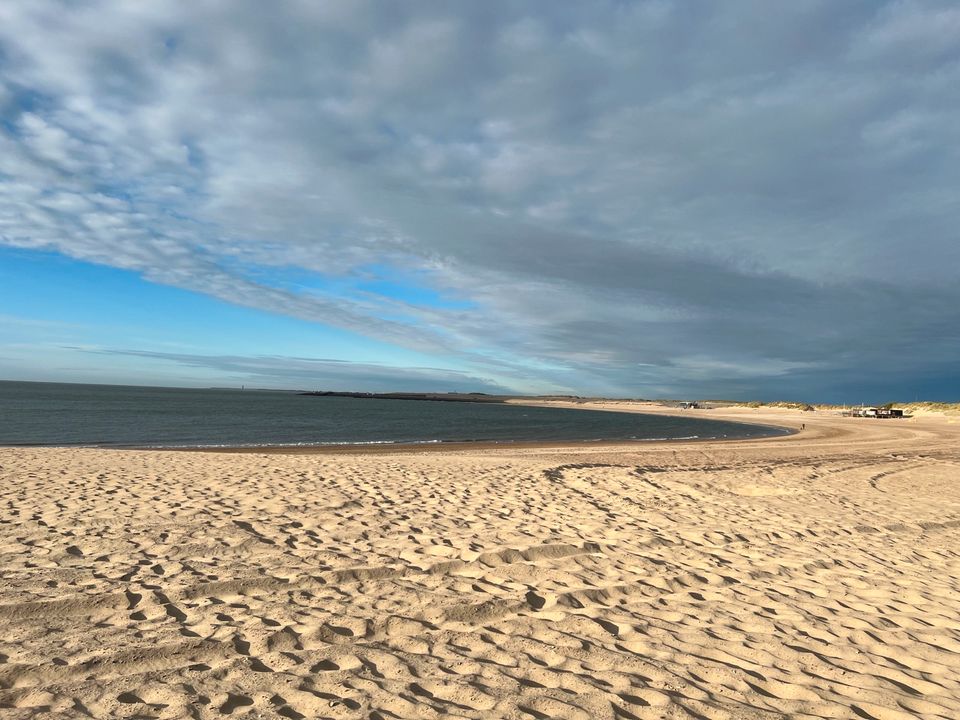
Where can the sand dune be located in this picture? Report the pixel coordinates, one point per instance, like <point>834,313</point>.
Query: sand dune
<point>810,576</point>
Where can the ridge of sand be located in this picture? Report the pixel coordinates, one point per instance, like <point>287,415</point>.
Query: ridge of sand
<point>811,576</point>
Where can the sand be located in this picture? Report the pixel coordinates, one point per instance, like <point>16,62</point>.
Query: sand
<point>809,576</point>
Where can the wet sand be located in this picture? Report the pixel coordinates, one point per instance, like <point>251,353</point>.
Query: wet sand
<point>813,575</point>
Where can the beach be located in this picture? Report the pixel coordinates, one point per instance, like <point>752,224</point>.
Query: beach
<point>813,575</point>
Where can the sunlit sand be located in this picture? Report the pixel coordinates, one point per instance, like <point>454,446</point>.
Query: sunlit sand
<point>814,575</point>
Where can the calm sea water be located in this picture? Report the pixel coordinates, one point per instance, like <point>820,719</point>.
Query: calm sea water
<point>111,415</point>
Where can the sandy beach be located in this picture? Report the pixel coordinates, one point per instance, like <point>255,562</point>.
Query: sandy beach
<point>815,575</point>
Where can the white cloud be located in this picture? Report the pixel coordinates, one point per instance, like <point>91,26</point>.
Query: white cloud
<point>611,184</point>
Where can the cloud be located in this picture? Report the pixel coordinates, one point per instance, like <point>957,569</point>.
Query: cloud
<point>631,198</point>
<point>303,373</point>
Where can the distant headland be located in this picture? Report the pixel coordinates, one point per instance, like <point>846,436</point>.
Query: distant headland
<point>436,397</point>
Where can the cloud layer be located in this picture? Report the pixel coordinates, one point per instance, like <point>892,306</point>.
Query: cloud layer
<point>320,373</point>
<point>634,198</point>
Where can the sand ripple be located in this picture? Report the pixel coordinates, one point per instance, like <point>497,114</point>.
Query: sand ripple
<point>810,577</point>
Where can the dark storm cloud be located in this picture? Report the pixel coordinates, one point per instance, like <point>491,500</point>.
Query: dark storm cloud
<point>638,198</point>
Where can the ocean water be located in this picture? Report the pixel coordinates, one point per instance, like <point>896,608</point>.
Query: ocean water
<point>123,416</point>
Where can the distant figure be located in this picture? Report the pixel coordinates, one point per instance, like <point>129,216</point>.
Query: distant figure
<point>803,426</point>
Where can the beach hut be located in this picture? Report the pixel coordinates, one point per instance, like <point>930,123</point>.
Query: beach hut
<point>889,413</point>
<point>873,412</point>
<point>861,412</point>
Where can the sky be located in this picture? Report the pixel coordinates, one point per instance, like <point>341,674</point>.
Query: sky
<point>657,198</point>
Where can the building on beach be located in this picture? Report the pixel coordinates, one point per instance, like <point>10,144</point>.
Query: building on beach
<point>873,412</point>
<point>889,413</point>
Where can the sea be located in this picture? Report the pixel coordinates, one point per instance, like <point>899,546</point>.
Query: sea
<point>59,414</point>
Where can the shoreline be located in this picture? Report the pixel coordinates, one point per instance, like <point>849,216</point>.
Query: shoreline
<point>379,448</point>
<point>452,446</point>
<point>493,445</point>
<point>386,447</point>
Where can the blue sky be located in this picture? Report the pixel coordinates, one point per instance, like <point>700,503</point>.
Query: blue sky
<point>94,323</point>
<point>657,198</point>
